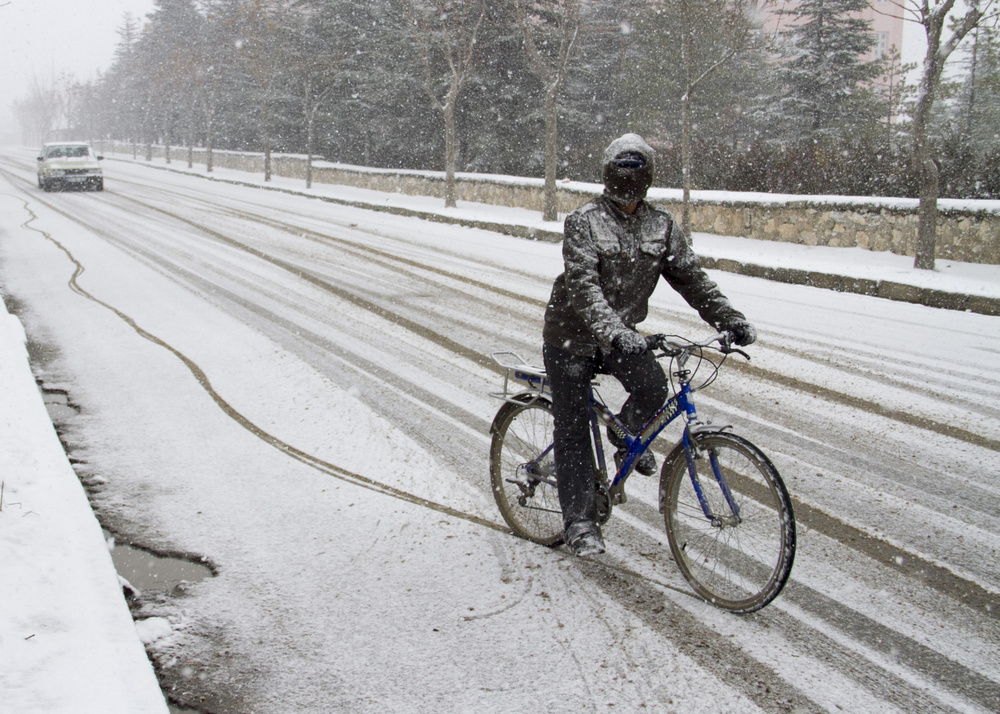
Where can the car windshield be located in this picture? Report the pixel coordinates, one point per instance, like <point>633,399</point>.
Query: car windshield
<point>67,152</point>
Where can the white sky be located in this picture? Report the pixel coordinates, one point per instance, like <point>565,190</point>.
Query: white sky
<point>40,39</point>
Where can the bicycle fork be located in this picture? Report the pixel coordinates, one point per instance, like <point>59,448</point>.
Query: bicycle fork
<point>692,452</point>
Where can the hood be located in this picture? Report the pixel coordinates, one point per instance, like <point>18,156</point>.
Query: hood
<point>626,143</point>
<point>628,181</point>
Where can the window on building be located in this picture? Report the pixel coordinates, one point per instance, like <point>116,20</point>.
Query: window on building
<point>881,44</point>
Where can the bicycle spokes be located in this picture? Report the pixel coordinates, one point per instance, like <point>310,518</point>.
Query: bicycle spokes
<point>730,522</point>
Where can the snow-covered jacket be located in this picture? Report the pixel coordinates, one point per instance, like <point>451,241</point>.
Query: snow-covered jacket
<point>613,262</point>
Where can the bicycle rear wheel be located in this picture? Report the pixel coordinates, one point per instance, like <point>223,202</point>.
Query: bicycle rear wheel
<point>522,472</point>
<point>740,555</point>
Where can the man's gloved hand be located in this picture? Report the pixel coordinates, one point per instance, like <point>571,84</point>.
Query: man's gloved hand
<point>742,331</point>
<point>629,343</point>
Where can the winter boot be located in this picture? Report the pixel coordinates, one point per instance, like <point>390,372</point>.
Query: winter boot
<point>584,538</point>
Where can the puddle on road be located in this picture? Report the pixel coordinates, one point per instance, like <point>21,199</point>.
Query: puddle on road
<point>145,571</point>
<point>149,572</point>
<point>58,406</point>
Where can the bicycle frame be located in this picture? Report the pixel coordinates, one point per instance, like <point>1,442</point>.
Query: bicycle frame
<point>600,415</point>
<point>679,403</point>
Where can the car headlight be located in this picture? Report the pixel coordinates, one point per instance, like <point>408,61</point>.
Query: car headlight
<point>56,172</point>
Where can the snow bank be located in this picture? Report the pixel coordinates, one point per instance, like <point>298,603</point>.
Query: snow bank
<point>67,640</point>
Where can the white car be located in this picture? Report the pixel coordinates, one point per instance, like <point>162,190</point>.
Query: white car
<point>69,164</point>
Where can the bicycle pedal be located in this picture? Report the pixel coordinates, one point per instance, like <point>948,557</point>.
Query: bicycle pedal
<point>618,495</point>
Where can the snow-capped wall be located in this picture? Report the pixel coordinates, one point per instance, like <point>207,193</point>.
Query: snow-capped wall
<point>968,231</point>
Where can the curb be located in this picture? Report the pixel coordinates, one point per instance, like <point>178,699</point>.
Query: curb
<point>899,292</point>
<point>888,290</point>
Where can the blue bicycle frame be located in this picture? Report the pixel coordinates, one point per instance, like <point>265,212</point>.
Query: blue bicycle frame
<point>680,403</point>
<point>601,415</point>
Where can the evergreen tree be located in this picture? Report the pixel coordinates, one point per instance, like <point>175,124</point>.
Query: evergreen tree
<point>966,125</point>
<point>120,92</point>
<point>825,69</point>
<point>167,53</point>
<point>980,120</point>
<point>550,29</point>
<point>500,118</point>
<point>598,102</point>
<point>444,41</point>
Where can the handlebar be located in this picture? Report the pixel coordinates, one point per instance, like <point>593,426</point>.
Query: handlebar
<point>673,346</point>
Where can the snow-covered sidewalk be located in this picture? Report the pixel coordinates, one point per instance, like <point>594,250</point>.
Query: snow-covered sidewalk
<point>846,269</point>
<point>67,641</point>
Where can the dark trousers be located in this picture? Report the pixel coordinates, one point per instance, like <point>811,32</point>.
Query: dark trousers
<point>570,376</point>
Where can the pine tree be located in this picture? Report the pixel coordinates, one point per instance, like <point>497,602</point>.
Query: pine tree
<point>167,54</point>
<point>825,67</point>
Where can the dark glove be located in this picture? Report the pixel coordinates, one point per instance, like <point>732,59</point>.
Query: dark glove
<point>742,331</point>
<point>629,343</point>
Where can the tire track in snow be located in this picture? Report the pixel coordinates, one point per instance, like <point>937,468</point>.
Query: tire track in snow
<point>205,383</point>
<point>389,259</point>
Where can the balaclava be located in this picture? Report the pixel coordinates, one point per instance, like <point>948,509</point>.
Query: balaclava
<point>628,169</point>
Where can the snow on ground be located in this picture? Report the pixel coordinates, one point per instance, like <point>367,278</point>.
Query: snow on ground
<point>67,642</point>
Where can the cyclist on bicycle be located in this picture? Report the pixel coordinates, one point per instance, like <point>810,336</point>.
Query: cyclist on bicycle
<point>615,248</point>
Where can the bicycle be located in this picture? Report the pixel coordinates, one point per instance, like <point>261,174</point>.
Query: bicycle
<point>727,512</point>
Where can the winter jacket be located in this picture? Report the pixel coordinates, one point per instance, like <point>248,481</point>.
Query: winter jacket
<point>613,261</point>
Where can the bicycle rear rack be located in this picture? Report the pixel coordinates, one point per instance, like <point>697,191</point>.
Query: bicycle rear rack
<point>516,368</point>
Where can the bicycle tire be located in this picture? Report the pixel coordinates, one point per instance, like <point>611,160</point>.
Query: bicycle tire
<point>740,564</point>
<point>529,505</point>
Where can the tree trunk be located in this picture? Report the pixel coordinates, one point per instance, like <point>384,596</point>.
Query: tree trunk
<point>309,153</point>
<point>209,136</point>
<point>450,153</point>
<point>686,135</point>
<point>923,258</point>
<point>550,209</point>
<point>686,163</point>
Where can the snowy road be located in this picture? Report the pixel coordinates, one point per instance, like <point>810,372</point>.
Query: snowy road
<point>298,392</point>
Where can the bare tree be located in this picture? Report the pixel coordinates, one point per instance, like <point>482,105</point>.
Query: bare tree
<point>550,29</point>
<point>445,34</point>
<point>315,62</point>
<point>729,24</point>
<point>263,57</point>
<point>945,27</point>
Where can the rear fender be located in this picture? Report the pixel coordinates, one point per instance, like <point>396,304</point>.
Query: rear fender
<point>516,401</point>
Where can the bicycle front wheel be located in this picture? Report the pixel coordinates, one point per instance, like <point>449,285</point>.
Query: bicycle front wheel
<point>730,523</point>
<point>522,472</point>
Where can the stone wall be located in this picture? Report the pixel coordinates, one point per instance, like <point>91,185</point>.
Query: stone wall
<point>963,234</point>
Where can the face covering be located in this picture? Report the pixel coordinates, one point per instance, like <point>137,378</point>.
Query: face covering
<point>627,177</point>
